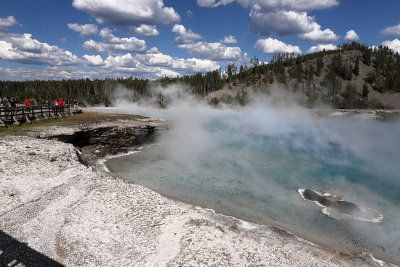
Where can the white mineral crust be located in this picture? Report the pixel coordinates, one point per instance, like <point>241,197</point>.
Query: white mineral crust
<point>80,217</point>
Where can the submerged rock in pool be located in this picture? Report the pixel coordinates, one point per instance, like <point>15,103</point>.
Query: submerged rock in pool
<point>336,207</point>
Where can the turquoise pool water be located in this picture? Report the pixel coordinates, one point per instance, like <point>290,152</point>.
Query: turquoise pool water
<point>251,166</point>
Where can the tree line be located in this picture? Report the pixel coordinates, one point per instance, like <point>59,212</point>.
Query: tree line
<point>101,91</point>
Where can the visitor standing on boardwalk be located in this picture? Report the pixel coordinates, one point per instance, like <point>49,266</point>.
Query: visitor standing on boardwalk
<point>75,104</point>
<point>13,102</point>
<point>5,102</point>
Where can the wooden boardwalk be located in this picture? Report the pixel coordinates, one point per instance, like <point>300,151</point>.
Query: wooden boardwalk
<point>17,115</point>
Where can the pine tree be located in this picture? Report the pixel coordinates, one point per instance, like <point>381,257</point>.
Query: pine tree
<point>356,69</point>
<point>299,72</point>
<point>320,65</point>
<point>230,71</point>
<point>254,62</point>
<point>350,96</point>
<point>365,91</point>
<point>338,67</point>
<point>367,57</point>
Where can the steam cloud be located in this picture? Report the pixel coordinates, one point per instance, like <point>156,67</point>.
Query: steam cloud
<point>193,144</point>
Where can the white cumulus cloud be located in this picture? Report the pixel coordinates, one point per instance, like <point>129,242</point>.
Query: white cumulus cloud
<point>191,65</point>
<point>213,3</point>
<point>111,42</point>
<point>94,46</point>
<point>84,30</point>
<point>26,50</point>
<point>274,46</point>
<point>144,30</point>
<point>152,64</point>
<point>121,61</point>
<point>284,17</point>
<point>320,47</point>
<point>213,51</point>
<point>94,60</point>
<point>281,22</point>
<point>7,22</point>
<point>394,45</point>
<point>351,36</point>
<point>299,5</point>
<point>392,31</point>
<point>128,12</point>
<point>184,36</point>
<point>229,40</point>
<point>153,57</point>
<point>319,36</point>
<point>47,73</point>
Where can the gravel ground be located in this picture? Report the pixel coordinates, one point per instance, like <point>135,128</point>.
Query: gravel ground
<point>76,216</point>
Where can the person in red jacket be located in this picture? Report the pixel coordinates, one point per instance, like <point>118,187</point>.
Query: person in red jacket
<point>55,103</point>
<point>60,102</point>
<point>27,103</point>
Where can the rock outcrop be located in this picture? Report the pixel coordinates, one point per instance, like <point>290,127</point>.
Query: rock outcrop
<point>98,140</point>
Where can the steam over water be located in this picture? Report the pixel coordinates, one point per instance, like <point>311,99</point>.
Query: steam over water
<point>251,164</point>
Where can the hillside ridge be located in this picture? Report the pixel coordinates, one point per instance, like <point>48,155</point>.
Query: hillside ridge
<point>353,76</point>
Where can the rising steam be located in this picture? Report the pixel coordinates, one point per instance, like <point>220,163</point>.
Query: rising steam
<point>298,140</point>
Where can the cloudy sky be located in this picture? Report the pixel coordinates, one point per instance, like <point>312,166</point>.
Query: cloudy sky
<point>70,39</point>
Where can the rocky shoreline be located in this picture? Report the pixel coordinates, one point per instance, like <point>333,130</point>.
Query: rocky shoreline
<point>71,215</point>
<point>371,114</point>
<point>99,140</point>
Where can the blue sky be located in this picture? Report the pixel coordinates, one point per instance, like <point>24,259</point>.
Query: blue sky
<point>72,39</point>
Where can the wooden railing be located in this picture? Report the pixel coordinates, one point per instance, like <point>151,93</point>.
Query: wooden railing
<point>16,115</point>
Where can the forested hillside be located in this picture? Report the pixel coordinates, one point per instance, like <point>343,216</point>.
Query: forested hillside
<point>353,76</point>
